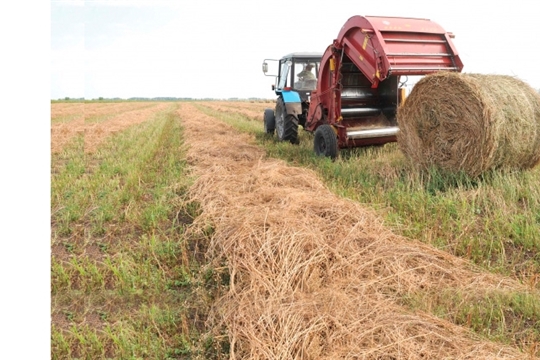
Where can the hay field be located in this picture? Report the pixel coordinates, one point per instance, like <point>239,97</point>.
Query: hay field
<point>187,233</point>
<point>95,121</point>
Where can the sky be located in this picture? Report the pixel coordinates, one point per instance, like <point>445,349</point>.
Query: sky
<point>215,48</point>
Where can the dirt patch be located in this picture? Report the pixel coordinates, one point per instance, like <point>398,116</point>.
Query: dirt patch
<point>93,252</point>
<point>60,252</point>
<point>60,320</point>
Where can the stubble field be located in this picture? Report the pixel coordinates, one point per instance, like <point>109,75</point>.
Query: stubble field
<point>180,230</point>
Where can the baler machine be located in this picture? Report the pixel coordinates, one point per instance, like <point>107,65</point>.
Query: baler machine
<point>359,80</point>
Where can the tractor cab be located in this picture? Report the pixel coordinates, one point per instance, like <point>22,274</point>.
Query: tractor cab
<point>296,76</point>
<point>294,72</point>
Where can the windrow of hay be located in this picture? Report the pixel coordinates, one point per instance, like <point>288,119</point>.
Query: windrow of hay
<point>60,110</point>
<point>471,123</point>
<point>63,133</point>
<point>94,112</point>
<point>96,133</point>
<point>314,276</point>
<point>119,117</point>
<point>247,110</point>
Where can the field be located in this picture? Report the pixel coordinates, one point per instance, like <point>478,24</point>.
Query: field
<point>180,230</point>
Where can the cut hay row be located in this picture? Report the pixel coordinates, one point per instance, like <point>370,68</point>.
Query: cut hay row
<point>94,133</point>
<point>256,106</point>
<point>314,276</point>
<point>93,112</point>
<point>247,105</point>
<point>63,133</point>
<point>89,110</point>
<point>61,110</point>
<point>471,123</point>
<point>253,114</point>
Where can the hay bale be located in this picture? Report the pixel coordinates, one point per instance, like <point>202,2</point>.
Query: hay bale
<point>471,123</point>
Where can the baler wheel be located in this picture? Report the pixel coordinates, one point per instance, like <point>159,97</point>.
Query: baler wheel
<point>325,142</point>
<point>286,124</point>
<point>269,121</point>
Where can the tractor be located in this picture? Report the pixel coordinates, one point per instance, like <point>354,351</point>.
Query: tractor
<point>296,78</point>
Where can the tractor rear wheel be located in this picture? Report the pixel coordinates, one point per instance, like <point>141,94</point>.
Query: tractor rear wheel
<point>269,121</point>
<point>325,142</point>
<point>286,124</point>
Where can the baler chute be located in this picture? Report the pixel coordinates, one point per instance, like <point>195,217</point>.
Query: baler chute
<point>358,90</point>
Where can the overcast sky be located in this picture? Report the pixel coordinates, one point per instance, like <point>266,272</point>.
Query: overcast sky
<point>215,48</point>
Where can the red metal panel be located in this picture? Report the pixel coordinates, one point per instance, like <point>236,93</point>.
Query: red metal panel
<point>367,58</point>
<point>364,47</point>
<point>407,52</point>
<point>325,93</point>
<point>401,46</point>
<point>407,25</point>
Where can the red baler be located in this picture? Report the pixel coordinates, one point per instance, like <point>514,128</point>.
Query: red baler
<point>358,89</point>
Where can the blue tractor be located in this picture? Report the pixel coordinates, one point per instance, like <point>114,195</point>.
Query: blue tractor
<point>295,78</point>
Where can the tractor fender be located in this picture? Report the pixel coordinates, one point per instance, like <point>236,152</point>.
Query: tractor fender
<point>293,103</point>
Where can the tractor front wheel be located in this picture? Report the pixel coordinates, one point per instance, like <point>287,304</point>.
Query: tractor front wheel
<point>325,142</point>
<point>269,121</point>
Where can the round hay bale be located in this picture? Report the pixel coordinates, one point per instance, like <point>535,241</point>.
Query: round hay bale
<point>471,123</point>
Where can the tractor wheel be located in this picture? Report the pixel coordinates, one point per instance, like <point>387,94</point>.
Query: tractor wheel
<point>269,121</point>
<point>286,124</point>
<point>325,142</point>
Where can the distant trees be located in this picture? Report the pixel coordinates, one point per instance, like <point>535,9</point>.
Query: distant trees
<point>162,98</point>
<point>67,98</point>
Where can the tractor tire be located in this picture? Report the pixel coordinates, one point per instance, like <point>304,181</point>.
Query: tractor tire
<point>269,121</point>
<point>286,124</point>
<point>325,141</point>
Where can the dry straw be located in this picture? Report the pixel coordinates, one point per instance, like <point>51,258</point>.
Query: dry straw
<point>314,276</point>
<point>471,123</point>
<point>97,121</point>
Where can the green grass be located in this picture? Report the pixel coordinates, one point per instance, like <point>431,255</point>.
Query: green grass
<point>126,280</point>
<point>493,221</point>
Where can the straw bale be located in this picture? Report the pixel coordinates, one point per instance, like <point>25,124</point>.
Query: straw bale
<point>315,276</point>
<point>471,123</point>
